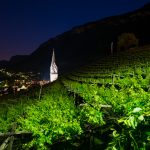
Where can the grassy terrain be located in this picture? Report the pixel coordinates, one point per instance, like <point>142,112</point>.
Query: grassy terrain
<point>104,105</point>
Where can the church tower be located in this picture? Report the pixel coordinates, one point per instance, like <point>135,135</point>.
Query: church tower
<point>53,69</point>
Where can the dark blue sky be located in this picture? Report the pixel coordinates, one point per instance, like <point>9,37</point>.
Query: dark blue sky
<point>25,24</point>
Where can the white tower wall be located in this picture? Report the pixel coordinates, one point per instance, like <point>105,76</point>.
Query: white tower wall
<point>53,69</point>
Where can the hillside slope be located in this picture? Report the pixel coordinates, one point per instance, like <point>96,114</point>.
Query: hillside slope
<point>103,105</point>
<point>117,88</point>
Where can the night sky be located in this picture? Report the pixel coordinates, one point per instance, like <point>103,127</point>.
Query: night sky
<point>25,24</point>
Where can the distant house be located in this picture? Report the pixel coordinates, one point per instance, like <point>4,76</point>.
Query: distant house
<point>53,69</point>
<point>23,87</point>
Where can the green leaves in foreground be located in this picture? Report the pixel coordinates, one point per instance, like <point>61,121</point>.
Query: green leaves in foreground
<point>51,119</point>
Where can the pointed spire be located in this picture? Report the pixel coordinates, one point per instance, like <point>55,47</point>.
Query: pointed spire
<point>53,57</point>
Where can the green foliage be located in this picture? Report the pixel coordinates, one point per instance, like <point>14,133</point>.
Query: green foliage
<point>123,101</point>
<point>89,115</point>
<point>51,119</point>
<point>102,106</point>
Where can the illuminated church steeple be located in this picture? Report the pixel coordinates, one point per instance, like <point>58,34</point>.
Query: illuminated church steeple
<point>53,69</point>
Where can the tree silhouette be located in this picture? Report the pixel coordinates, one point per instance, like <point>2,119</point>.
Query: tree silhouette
<point>126,41</point>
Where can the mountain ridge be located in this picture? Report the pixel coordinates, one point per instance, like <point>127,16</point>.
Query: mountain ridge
<point>79,45</point>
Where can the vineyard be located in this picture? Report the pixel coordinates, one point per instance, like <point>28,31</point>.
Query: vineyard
<point>104,105</point>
